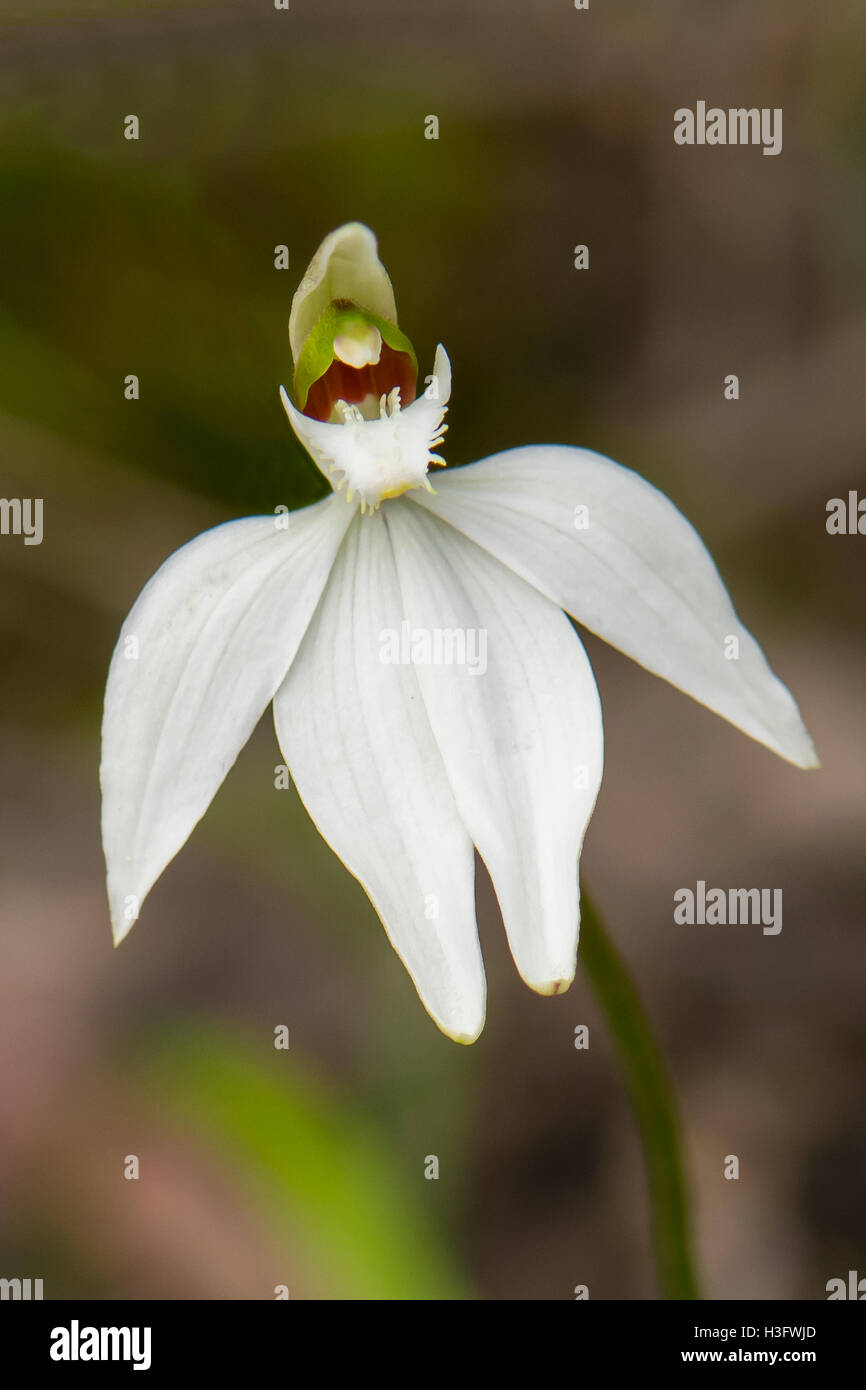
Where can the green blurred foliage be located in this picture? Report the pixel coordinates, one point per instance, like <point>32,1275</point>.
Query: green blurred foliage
<point>318,1173</point>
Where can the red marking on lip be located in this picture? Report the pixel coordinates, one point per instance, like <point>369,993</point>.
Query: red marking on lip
<point>353,384</point>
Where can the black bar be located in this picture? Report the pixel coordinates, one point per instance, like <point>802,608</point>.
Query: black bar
<point>225,1338</point>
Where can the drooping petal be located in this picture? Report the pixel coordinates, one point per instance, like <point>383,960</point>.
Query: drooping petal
<point>514,707</point>
<point>618,556</point>
<point>354,733</point>
<point>346,266</point>
<point>199,657</point>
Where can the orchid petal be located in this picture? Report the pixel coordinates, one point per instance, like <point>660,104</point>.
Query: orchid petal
<point>618,556</point>
<point>199,657</point>
<point>520,731</point>
<point>357,741</point>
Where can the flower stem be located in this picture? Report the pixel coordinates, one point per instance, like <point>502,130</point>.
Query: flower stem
<point>653,1101</point>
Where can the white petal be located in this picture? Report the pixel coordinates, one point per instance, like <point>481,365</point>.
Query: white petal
<point>518,725</point>
<point>355,735</point>
<point>346,266</point>
<point>637,575</point>
<point>379,458</point>
<point>199,657</point>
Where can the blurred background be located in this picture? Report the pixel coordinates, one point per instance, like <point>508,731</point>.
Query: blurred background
<point>258,127</point>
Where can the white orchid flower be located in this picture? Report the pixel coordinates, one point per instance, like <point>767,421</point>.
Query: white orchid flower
<point>356,619</point>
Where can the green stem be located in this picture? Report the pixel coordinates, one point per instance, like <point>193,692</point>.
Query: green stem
<point>653,1101</point>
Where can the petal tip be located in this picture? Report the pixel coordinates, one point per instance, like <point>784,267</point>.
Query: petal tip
<point>124,908</point>
<point>549,987</point>
<point>464,1030</point>
<point>555,987</point>
<point>809,759</point>
<point>120,931</point>
<point>800,750</point>
<point>442,373</point>
<point>466,1039</point>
